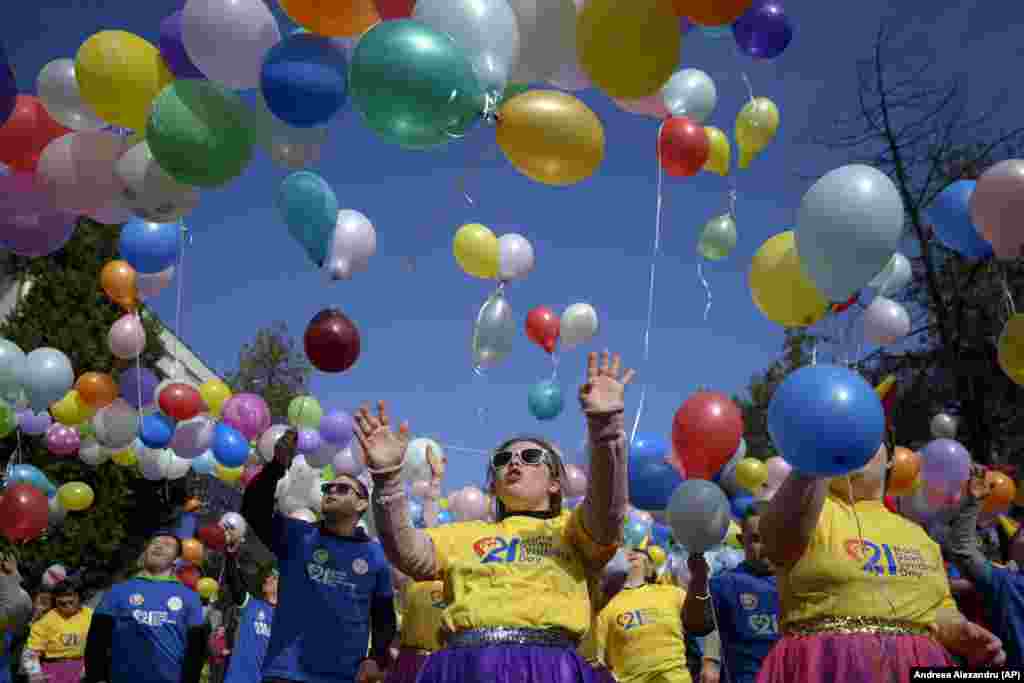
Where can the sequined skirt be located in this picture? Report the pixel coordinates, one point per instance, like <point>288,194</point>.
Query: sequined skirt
<point>407,666</point>
<point>511,656</point>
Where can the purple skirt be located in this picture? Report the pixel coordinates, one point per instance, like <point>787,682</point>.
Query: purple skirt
<point>65,671</point>
<point>507,664</point>
<point>407,666</point>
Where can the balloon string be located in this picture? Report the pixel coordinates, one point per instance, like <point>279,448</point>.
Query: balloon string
<point>178,368</point>
<point>650,289</point>
<point>138,375</point>
<point>707,288</point>
<point>554,365</point>
<point>474,169</point>
<point>750,88</point>
<point>1009,295</point>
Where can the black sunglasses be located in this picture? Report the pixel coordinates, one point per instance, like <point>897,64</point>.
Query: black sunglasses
<point>528,456</point>
<point>339,488</point>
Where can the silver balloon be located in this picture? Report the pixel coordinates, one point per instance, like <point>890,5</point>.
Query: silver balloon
<point>886,321</point>
<point>493,333</point>
<point>699,515</point>
<point>944,426</point>
<point>269,130</point>
<point>690,93</point>
<point>92,453</point>
<point>149,192</point>
<point>353,243</point>
<point>58,91</point>
<point>547,38</point>
<point>116,425</point>
<point>894,277</point>
<point>294,155</point>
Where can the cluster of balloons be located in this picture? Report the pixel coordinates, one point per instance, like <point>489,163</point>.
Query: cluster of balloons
<point>31,503</point>
<point>480,253</point>
<point>577,325</point>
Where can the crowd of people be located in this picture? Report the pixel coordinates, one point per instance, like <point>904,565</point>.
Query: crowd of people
<point>834,586</point>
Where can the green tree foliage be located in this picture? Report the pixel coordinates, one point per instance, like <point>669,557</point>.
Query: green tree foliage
<point>273,366</point>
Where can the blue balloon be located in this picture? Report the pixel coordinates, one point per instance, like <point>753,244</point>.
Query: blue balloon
<point>204,464</point>
<point>649,446</point>
<point>651,479</point>
<point>156,430</point>
<point>444,517</point>
<point>740,505</point>
<point>150,247</point>
<point>31,475</point>
<point>545,400</point>
<point>305,80</point>
<point>8,87</point>
<point>661,535</point>
<point>634,533</point>
<point>229,446</point>
<point>950,213</point>
<point>826,420</point>
<point>310,210</point>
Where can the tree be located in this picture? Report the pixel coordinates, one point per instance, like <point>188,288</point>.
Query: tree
<point>274,367</point>
<point>64,307</point>
<point>921,134</point>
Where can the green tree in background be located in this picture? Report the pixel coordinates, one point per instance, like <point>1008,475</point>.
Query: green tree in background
<point>274,367</point>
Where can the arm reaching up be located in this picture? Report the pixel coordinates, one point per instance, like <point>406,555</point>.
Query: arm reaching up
<point>788,523</point>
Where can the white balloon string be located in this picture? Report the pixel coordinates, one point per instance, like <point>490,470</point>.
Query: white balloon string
<point>750,88</point>
<point>554,365</point>
<point>474,169</point>
<point>180,272</point>
<point>138,374</point>
<point>656,248</point>
<point>707,289</point>
<point>1009,295</point>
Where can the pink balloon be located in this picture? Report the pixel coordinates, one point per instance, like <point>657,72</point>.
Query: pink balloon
<point>346,463</point>
<point>62,440</point>
<point>248,413</point>
<point>575,483</point>
<point>997,208</point>
<point>886,321</point>
<point>652,105</point>
<point>29,223</point>
<point>149,285</point>
<point>420,488</point>
<point>113,213</point>
<point>78,168</point>
<point>778,470</point>
<point>472,504</point>
<point>127,337</point>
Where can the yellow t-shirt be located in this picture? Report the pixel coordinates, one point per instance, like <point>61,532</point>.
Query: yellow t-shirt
<point>897,575</point>
<point>55,637</point>
<point>423,604</point>
<point>522,572</point>
<point>639,635</point>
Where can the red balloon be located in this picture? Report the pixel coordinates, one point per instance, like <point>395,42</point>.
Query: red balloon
<point>332,341</point>
<point>189,575</point>
<point>542,327</point>
<point>27,132</point>
<point>890,504</point>
<point>24,513</point>
<point>706,431</point>
<point>212,536</point>
<point>181,401</point>
<point>683,146</point>
<point>394,9</point>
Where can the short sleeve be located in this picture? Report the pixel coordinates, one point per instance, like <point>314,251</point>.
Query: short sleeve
<point>446,540</point>
<point>576,535</point>
<point>108,605</point>
<point>39,635</point>
<point>384,587</point>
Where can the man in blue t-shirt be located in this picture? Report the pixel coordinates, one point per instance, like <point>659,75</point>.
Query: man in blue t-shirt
<point>253,635</point>
<point>335,582</point>
<point>150,628</point>
<point>745,602</point>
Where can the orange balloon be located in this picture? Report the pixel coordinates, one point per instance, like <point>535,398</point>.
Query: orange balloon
<point>118,280</point>
<point>338,19</point>
<point>192,551</point>
<point>97,389</point>
<point>711,12</point>
<point>906,467</point>
<point>1002,492</point>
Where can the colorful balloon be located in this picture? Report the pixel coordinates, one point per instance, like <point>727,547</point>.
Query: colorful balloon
<point>652,478</point>
<point>24,513</point>
<point>149,192</point>
<point>764,31</point>
<point>227,39</point>
<point>344,19</point>
<point>945,466</point>
<point>214,393</point>
<point>76,496</point>
<point>150,247</point>
<point>48,375</point>
<point>542,328</point>
<point>997,207</point>
<point>493,332</point>
<point>718,238</point>
<point>332,341</point>
<point>230,447</point>
<point>78,168</point>
<point>476,251</point>
<point>515,257</point>
<point>706,430</point>
<point>1002,491</point>
<point>127,337</point>
<point>690,93</point>
<point>547,38</point>
<point>711,12</point>
<point>26,133</point>
<point>903,472</point>
<point>394,9</point>
<point>182,401</point>
<point>578,325</point>
<point>310,210</point>
<point>719,151</point>
<point>336,427</point>
<point>59,94</point>
<point>756,126</point>
<point>172,48</point>
<point>97,389</point>
<point>304,80</point>
<point>305,411</point>
<point>780,287</point>
<point>682,146</point>
<point>353,243</point>
<point>698,513</point>
<point>545,400</point>
<point>751,474</point>
<point>950,215</point>
<point>885,321</point>
<point>894,277</point>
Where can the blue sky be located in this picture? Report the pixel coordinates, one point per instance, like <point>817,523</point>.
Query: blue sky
<point>592,240</point>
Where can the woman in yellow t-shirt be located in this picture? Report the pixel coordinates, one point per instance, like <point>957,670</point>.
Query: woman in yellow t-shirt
<point>56,644</point>
<point>864,593</point>
<point>516,589</point>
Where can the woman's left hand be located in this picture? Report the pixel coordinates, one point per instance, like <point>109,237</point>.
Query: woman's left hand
<point>980,646</point>
<point>604,391</point>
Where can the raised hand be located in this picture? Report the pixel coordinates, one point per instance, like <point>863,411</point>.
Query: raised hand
<point>286,447</point>
<point>604,391</point>
<point>437,464</point>
<point>384,448</point>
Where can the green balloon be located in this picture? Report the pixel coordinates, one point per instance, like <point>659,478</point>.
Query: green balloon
<point>414,86</point>
<point>305,412</point>
<point>718,238</point>
<point>511,90</point>
<point>8,419</point>
<point>198,133</point>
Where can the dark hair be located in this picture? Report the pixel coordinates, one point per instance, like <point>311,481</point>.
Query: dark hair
<point>556,466</point>
<point>67,587</point>
<point>756,509</point>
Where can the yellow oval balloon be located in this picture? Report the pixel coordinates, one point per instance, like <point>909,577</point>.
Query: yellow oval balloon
<point>228,475</point>
<point>476,250</point>
<point>72,410</point>
<point>780,288</point>
<point>551,137</point>
<point>215,394</point>
<point>756,126</point>
<point>719,151</point>
<point>76,496</point>
<point>206,587</point>
<point>732,537</point>
<point>629,49</point>
<point>751,473</point>
<point>657,555</point>
<point>443,503</point>
<point>125,458</point>
<point>119,75</point>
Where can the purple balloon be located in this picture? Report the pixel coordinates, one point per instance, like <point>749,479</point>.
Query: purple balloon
<point>62,440</point>
<point>336,428</point>
<point>248,413</point>
<point>309,441</point>
<point>33,423</point>
<point>36,234</point>
<point>172,48</point>
<point>136,383</point>
<point>945,465</point>
<point>764,31</point>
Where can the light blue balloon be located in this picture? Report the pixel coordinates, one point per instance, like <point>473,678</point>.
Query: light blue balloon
<point>31,475</point>
<point>698,513</point>
<point>310,210</point>
<point>950,213</point>
<point>545,400</point>
<point>12,365</point>
<point>150,247</point>
<point>48,376</point>
<point>634,533</point>
<point>204,464</point>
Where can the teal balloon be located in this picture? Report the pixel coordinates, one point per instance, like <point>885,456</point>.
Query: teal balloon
<point>634,533</point>
<point>718,238</point>
<point>545,400</point>
<point>310,210</point>
<point>717,32</point>
<point>413,85</point>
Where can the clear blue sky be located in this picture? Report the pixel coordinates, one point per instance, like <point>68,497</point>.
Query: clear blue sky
<point>592,240</point>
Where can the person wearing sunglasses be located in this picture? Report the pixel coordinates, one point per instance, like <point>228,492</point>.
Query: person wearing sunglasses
<point>57,641</point>
<point>516,588</point>
<point>335,584</point>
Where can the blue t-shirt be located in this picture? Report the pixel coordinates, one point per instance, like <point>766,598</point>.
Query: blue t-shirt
<point>1003,590</point>
<point>322,623</point>
<point>747,610</point>
<point>251,643</point>
<point>188,525</point>
<point>5,657</point>
<point>151,622</point>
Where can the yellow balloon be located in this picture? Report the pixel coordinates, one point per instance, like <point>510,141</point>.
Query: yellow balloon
<point>780,288</point>
<point>206,587</point>
<point>228,475</point>
<point>657,555</point>
<point>215,394</point>
<point>443,503</point>
<point>751,473</point>
<point>756,125</point>
<point>476,251</point>
<point>76,496</point>
<point>719,151</point>
<point>72,410</point>
<point>629,49</point>
<point>551,137</point>
<point>125,458</point>
<point>732,537</point>
<point>119,75</point>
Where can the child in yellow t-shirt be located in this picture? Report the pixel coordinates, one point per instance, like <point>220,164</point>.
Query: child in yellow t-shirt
<point>56,643</point>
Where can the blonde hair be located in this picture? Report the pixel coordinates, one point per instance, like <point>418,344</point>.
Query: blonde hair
<point>556,466</point>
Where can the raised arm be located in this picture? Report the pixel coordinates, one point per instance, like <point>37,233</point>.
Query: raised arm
<point>405,546</point>
<point>963,538</point>
<point>258,501</point>
<point>789,520</point>
<point>431,505</point>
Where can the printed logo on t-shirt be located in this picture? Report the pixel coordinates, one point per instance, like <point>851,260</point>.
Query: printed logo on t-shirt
<point>136,600</point>
<point>748,601</point>
<point>516,549</point>
<point>884,559</point>
<point>764,624</point>
<point>359,566</point>
<point>635,618</point>
<point>151,617</point>
<point>175,604</point>
<point>69,639</point>
<point>321,556</point>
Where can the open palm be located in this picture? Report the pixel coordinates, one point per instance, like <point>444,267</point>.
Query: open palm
<point>383,447</point>
<point>604,391</point>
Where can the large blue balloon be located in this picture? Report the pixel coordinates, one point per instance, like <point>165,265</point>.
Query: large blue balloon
<point>156,430</point>
<point>310,210</point>
<point>950,213</point>
<point>8,87</point>
<point>545,400</point>
<point>150,247</point>
<point>651,479</point>
<point>826,420</point>
<point>305,80</point>
<point>229,446</point>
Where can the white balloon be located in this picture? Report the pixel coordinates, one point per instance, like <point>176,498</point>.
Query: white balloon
<point>894,277</point>
<point>228,39</point>
<point>149,192</point>
<point>886,321</point>
<point>323,456</point>
<point>578,325</point>
<point>353,243</point>
<point>268,130</point>
<point>416,467</point>
<point>515,257</point>
<point>547,38</point>
<point>233,520</point>
<point>690,93</point>
<point>57,88</point>
<point>92,453</point>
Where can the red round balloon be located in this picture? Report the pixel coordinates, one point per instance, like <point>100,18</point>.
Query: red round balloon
<point>542,326</point>
<point>26,133</point>
<point>706,431</point>
<point>890,504</point>
<point>212,536</point>
<point>394,9</point>
<point>332,341</point>
<point>24,513</point>
<point>181,401</point>
<point>189,575</point>
<point>683,146</point>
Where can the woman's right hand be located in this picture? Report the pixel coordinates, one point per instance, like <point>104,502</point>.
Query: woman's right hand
<point>384,449</point>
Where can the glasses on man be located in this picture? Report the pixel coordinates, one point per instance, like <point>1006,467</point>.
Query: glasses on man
<point>339,488</point>
<point>527,456</point>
